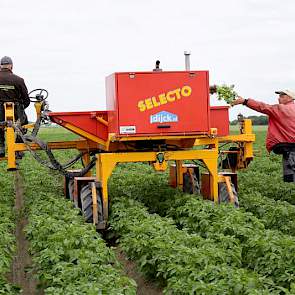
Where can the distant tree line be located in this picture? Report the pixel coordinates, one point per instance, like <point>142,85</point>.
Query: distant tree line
<point>256,120</point>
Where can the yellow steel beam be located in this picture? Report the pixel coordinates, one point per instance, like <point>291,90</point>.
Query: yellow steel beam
<point>229,189</point>
<point>94,203</point>
<point>58,145</point>
<point>84,134</point>
<point>206,141</point>
<point>179,174</point>
<point>113,137</point>
<point>248,151</point>
<point>169,155</point>
<point>247,126</point>
<point>211,164</point>
<point>101,120</point>
<point>10,136</point>
<point>29,126</point>
<point>237,138</point>
<point>38,107</point>
<point>106,162</point>
<point>86,161</point>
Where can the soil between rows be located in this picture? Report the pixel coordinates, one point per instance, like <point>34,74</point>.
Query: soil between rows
<point>21,274</point>
<point>21,270</point>
<point>144,287</point>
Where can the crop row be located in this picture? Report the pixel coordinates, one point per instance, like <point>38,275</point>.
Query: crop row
<point>274,214</point>
<point>265,177</point>
<point>266,251</point>
<point>184,263</point>
<point>279,215</point>
<point>262,192</point>
<point>70,257</point>
<point>7,227</point>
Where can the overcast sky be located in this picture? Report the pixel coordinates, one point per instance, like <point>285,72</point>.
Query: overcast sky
<point>68,47</point>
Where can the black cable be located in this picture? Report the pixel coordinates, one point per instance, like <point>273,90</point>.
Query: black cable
<point>54,164</point>
<point>36,127</point>
<point>83,171</point>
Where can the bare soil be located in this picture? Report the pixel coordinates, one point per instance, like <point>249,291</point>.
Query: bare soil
<point>21,271</point>
<point>144,287</point>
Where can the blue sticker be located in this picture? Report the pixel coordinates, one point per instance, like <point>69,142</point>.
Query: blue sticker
<point>163,117</point>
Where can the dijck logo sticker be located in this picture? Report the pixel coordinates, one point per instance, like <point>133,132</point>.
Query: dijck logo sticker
<point>163,117</point>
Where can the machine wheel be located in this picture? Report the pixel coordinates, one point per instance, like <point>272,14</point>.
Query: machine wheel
<point>223,195</point>
<point>71,189</point>
<point>86,202</point>
<point>191,183</point>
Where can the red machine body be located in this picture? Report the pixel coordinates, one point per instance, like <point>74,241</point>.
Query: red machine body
<point>158,103</point>
<point>86,121</point>
<point>220,119</point>
<point>151,104</point>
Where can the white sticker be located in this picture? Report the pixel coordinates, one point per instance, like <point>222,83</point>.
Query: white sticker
<point>127,129</point>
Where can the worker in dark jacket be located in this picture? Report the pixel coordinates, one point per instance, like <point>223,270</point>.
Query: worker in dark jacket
<point>281,130</point>
<point>12,89</point>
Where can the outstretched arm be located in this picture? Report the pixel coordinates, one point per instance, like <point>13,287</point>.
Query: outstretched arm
<point>255,105</point>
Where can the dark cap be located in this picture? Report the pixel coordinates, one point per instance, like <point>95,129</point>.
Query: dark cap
<point>6,60</point>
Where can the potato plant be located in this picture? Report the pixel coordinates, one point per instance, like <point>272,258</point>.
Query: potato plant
<point>224,92</point>
<point>263,192</point>
<point>213,222</point>
<point>69,256</point>
<point>185,264</point>
<point>7,227</point>
<point>268,252</point>
<point>279,215</point>
<point>195,247</point>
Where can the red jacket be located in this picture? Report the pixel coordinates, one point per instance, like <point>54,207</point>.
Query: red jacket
<point>281,126</point>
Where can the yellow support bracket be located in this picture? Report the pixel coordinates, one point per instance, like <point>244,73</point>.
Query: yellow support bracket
<point>10,135</point>
<point>106,162</point>
<point>101,120</point>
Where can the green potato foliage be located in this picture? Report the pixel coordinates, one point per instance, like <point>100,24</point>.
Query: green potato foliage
<point>195,247</point>
<point>69,256</point>
<point>263,192</point>
<point>226,93</point>
<point>7,227</point>
<point>184,263</point>
<point>224,225</point>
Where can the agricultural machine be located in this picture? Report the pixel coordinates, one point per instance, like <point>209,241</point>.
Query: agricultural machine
<point>160,117</point>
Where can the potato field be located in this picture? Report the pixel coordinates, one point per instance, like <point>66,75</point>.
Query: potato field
<point>159,240</point>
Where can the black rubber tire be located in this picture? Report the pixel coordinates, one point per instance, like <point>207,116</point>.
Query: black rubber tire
<point>71,189</point>
<point>223,195</point>
<point>86,202</point>
<point>188,186</point>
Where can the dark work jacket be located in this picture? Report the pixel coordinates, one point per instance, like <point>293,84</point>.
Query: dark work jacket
<point>13,88</point>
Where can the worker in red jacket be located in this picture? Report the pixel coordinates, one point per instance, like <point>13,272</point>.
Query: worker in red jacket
<point>12,89</point>
<point>281,128</point>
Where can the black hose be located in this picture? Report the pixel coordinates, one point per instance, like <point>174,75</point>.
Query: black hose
<point>53,164</point>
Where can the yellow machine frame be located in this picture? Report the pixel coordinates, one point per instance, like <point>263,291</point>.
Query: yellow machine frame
<point>204,148</point>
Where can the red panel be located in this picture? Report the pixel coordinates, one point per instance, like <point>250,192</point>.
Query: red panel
<point>220,120</point>
<point>155,103</point>
<point>111,102</point>
<point>84,120</point>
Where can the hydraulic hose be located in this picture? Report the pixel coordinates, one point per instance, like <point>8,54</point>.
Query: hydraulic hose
<point>53,163</point>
